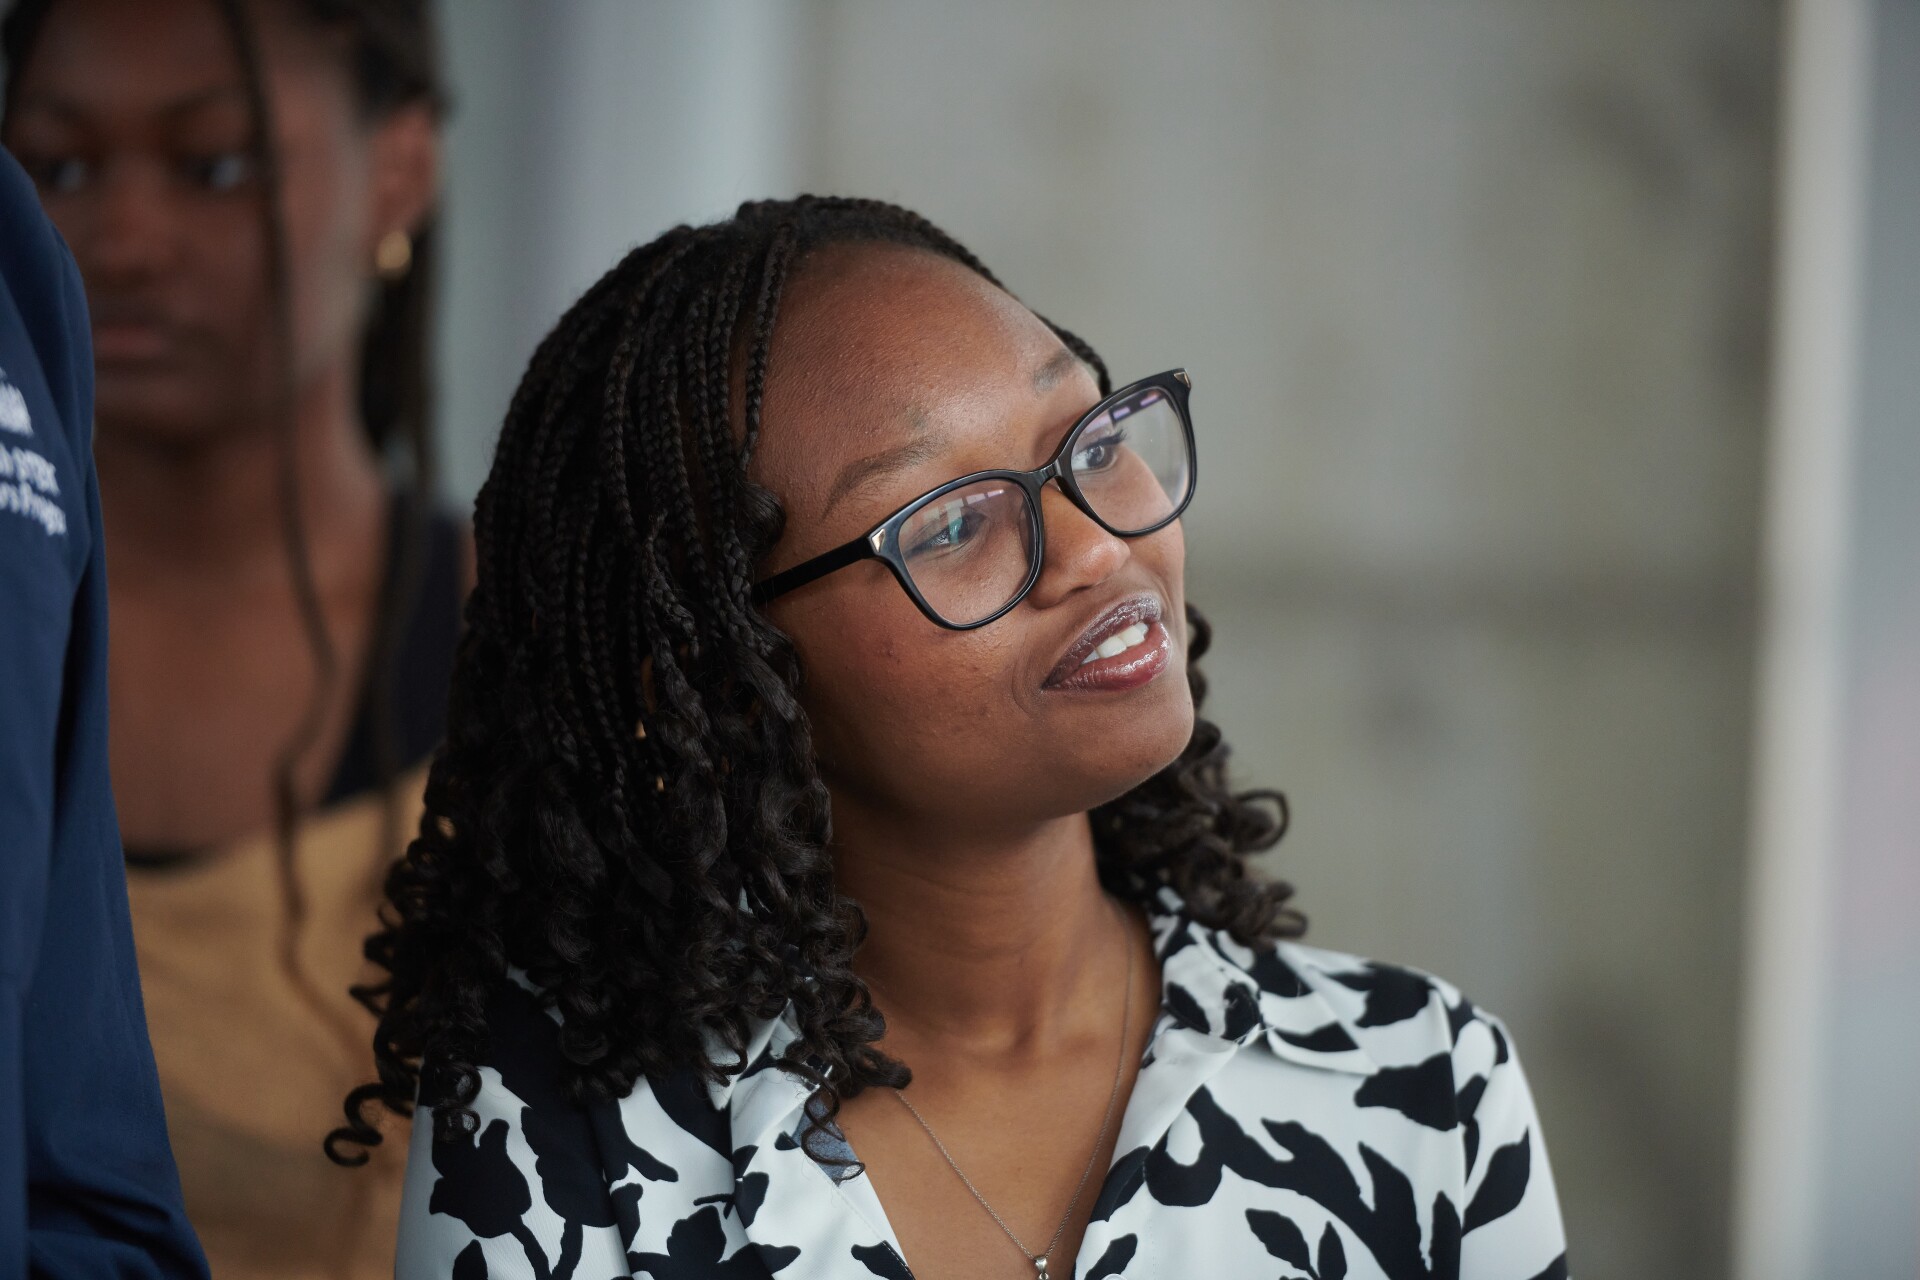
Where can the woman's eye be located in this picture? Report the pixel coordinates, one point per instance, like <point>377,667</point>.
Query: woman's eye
<point>220,171</point>
<point>62,175</point>
<point>1099,454</point>
<point>952,527</point>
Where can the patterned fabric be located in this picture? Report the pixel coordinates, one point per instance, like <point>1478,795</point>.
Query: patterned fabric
<point>1298,1113</point>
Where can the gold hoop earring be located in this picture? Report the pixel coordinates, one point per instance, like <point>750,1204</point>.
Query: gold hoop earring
<point>393,257</point>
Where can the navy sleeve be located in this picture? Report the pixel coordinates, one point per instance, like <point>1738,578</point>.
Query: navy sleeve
<point>87,1181</point>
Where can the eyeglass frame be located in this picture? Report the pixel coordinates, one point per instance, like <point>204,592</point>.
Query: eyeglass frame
<point>882,541</point>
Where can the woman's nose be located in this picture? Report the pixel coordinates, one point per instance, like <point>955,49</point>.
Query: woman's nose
<point>1080,553</point>
<point>132,231</point>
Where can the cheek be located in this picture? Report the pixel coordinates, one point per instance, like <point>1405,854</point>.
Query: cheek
<point>894,699</point>
<point>1166,554</point>
<point>327,250</point>
<point>230,254</point>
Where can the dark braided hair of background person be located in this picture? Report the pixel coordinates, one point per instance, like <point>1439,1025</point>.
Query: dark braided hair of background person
<point>627,808</point>
<point>393,53</point>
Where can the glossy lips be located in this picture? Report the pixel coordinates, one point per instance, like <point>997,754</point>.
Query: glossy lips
<point>1118,643</point>
<point>1124,648</point>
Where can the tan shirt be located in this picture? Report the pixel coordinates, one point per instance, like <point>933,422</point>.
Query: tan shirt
<point>257,1045</point>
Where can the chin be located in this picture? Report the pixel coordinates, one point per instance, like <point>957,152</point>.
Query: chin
<point>1151,742</point>
<point>158,410</point>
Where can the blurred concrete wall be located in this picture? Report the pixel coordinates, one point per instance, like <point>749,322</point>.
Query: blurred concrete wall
<point>1475,298</point>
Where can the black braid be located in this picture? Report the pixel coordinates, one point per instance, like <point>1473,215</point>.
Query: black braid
<point>627,808</point>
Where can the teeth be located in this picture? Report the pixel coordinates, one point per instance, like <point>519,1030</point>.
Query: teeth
<point>1117,643</point>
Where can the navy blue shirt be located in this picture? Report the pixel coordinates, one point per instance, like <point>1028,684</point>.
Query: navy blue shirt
<point>87,1182</point>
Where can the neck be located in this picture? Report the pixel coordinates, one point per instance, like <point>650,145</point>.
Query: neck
<point>214,508</point>
<point>999,942</point>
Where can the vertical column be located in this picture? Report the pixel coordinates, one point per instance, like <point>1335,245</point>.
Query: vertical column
<point>581,130</point>
<point>1829,1172</point>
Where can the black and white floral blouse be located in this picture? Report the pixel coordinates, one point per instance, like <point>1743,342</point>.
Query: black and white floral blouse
<point>1298,1114</point>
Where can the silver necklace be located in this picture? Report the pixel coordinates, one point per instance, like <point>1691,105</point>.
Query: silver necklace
<point>1039,1260</point>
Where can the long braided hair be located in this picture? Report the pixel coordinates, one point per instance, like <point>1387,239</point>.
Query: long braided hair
<point>626,808</point>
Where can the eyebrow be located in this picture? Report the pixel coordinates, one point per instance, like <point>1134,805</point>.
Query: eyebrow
<point>924,447</point>
<point>1049,375</point>
<point>183,106</point>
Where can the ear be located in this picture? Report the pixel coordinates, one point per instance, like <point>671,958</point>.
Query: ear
<point>405,153</point>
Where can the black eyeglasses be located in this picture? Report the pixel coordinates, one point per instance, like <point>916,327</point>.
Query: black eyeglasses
<point>971,549</point>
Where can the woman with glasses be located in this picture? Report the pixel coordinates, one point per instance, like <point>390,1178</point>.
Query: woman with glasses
<point>828,872</point>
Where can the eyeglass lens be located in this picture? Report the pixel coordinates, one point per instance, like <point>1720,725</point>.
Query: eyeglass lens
<point>971,550</point>
<point>1131,463</point>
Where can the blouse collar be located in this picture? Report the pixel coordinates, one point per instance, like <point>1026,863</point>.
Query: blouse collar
<point>1209,984</point>
<point>1213,985</point>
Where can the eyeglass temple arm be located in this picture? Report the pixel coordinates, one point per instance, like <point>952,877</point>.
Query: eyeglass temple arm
<point>811,570</point>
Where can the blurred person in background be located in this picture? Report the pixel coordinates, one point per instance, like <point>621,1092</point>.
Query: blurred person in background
<point>87,1183</point>
<point>249,188</point>
<point>829,871</point>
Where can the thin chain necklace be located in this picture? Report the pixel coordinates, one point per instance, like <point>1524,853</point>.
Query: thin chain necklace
<point>1040,1260</point>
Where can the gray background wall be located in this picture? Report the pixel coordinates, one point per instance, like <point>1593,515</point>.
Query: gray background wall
<point>1476,297</point>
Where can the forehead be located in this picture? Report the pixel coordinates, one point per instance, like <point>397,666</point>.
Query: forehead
<point>108,57</point>
<point>876,341</point>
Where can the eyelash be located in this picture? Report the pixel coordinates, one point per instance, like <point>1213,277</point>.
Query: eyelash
<point>202,169</point>
<point>942,529</point>
<point>1112,440</point>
